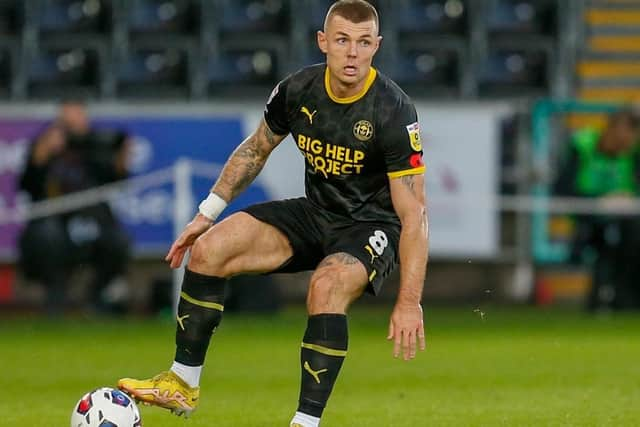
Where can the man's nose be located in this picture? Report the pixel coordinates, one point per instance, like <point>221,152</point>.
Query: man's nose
<point>353,50</point>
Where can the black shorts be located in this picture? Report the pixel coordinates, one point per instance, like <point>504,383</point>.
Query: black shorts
<point>315,233</point>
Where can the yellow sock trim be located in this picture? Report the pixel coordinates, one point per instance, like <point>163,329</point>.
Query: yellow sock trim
<point>205,304</point>
<point>324,350</point>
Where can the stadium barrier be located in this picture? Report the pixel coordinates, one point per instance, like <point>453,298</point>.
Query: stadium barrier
<point>454,214</point>
<point>544,131</point>
<point>181,174</point>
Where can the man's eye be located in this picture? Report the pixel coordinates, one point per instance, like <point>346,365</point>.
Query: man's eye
<point>365,43</point>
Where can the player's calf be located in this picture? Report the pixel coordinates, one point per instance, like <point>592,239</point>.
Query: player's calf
<point>324,348</point>
<point>199,314</point>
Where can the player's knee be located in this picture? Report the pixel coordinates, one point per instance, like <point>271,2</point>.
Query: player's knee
<point>198,256</point>
<point>327,293</point>
<point>205,257</point>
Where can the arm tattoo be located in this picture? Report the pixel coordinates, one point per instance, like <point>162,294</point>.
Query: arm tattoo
<point>337,259</point>
<point>270,136</point>
<point>245,163</point>
<point>409,182</point>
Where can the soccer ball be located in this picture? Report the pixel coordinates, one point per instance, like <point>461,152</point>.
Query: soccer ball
<point>105,407</point>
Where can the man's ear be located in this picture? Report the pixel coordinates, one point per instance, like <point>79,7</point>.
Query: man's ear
<point>379,42</point>
<point>322,41</point>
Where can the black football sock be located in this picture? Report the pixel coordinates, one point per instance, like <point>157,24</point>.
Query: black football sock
<point>323,350</point>
<point>199,314</point>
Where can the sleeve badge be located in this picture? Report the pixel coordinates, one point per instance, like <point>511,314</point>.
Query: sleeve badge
<point>414,136</point>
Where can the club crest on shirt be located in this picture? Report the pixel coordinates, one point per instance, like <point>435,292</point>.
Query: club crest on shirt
<point>414,136</point>
<point>363,130</point>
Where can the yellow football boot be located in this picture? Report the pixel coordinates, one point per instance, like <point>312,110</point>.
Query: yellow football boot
<point>166,390</point>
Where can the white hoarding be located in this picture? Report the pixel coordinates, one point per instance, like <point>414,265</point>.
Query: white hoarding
<point>461,154</point>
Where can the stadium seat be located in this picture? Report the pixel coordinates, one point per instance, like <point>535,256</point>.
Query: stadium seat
<point>6,67</point>
<point>514,71</point>
<point>311,15</point>
<point>430,70</point>
<point>163,17</point>
<point>522,17</point>
<point>243,69</point>
<point>61,70</point>
<point>11,18</point>
<point>430,16</point>
<point>73,17</point>
<point>315,13</point>
<point>154,71</point>
<point>248,17</point>
<point>312,53</point>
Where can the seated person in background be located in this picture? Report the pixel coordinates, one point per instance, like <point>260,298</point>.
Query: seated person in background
<point>606,164</point>
<point>66,157</point>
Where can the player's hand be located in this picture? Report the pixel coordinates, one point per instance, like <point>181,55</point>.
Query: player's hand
<point>406,328</point>
<point>198,225</point>
<point>51,143</point>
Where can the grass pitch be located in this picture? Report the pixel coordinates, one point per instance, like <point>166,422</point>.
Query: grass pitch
<point>512,367</point>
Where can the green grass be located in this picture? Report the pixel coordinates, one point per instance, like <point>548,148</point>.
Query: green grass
<point>517,367</point>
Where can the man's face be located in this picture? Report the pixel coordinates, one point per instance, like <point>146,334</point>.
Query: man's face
<point>74,118</point>
<point>349,47</point>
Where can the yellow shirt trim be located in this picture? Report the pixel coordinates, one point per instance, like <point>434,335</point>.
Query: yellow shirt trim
<point>414,171</point>
<point>348,100</point>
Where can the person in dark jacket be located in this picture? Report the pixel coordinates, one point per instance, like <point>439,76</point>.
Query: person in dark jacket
<point>69,156</point>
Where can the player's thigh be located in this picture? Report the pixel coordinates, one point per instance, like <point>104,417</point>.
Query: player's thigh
<point>375,245</point>
<point>240,244</point>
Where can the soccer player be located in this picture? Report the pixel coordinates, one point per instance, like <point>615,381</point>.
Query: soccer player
<point>364,212</point>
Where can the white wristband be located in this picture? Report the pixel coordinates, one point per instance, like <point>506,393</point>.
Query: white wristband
<point>212,206</point>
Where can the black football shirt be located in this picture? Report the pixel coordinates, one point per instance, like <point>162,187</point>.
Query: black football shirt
<point>351,146</point>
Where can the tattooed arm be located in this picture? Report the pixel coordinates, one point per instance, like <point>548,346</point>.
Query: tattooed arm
<point>243,166</point>
<point>406,325</point>
<point>246,162</point>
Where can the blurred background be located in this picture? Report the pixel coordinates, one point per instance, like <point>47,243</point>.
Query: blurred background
<point>165,89</point>
<point>117,115</point>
